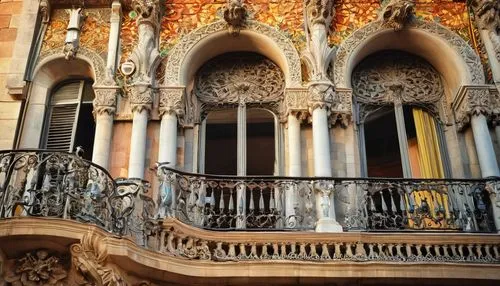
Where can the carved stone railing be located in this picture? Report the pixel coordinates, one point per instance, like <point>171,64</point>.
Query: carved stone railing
<point>44,183</point>
<point>363,204</point>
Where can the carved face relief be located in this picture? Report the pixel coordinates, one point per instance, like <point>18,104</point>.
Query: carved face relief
<point>396,76</point>
<point>239,78</point>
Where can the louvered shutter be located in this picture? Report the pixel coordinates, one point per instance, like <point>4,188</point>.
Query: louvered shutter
<point>64,113</point>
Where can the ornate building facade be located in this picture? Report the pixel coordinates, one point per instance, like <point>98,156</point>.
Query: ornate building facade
<point>241,142</point>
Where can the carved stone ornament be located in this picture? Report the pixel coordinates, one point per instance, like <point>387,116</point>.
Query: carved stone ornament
<point>323,95</point>
<point>44,10</point>
<point>141,97</point>
<point>487,15</point>
<point>105,100</point>
<point>239,78</point>
<point>72,42</point>
<point>392,76</point>
<point>296,101</point>
<point>397,14</point>
<point>171,100</point>
<point>37,268</point>
<point>469,101</point>
<point>319,12</point>
<point>235,14</point>
<point>146,51</point>
<point>177,55</point>
<point>89,260</point>
<point>342,59</point>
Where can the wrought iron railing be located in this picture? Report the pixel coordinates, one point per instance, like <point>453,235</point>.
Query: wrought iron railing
<point>363,204</point>
<point>45,183</point>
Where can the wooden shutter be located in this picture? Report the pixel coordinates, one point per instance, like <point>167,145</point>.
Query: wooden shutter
<point>65,105</point>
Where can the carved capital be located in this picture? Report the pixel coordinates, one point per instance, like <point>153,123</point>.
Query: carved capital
<point>341,107</point>
<point>321,95</point>
<point>141,97</point>
<point>105,100</point>
<point>296,100</point>
<point>171,100</point>
<point>44,10</point>
<point>37,267</point>
<point>487,14</point>
<point>235,14</point>
<point>397,14</point>
<point>469,101</point>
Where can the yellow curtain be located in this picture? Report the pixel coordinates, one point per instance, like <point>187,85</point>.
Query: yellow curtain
<point>431,167</point>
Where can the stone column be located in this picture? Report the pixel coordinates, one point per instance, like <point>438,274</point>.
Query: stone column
<point>141,100</point>
<point>170,108</point>
<point>114,36</point>
<point>294,147</point>
<point>471,105</point>
<point>242,165</point>
<point>104,110</point>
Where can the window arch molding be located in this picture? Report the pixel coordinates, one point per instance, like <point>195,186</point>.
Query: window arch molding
<point>52,69</point>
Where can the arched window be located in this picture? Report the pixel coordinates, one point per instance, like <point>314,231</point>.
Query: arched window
<point>240,93</point>
<point>398,95</point>
<point>69,122</point>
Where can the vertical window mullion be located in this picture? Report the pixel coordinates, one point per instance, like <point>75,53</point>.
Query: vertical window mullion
<point>242,140</point>
<point>403,140</point>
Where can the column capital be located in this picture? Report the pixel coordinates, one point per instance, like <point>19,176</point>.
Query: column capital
<point>141,97</point>
<point>105,100</point>
<point>171,100</point>
<point>471,100</point>
<point>338,103</point>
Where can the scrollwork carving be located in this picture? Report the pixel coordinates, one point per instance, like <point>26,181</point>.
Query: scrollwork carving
<point>396,76</point>
<point>397,14</point>
<point>239,78</point>
<point>38,268</point>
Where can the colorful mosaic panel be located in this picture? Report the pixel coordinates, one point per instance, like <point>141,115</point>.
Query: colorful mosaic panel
<point>183,16</point>
<point>354,14</point>
<point>56,30</point>
<point>128,35</point>
<point>95,30</point>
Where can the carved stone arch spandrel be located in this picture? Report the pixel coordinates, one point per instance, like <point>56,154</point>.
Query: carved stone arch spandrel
<point>343,64</point>
<point>97,63</point>
<point>281,47</point>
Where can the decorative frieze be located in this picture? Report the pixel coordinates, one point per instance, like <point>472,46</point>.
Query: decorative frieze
<point>469,101</point>
<point>397,14</point>
<point>105,99</point>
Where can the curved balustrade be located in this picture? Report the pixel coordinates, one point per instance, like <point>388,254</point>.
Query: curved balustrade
<point>231,202</point>
<point>45,183</point>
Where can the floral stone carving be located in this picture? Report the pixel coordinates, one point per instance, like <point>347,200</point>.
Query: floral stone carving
<point>37,268</point>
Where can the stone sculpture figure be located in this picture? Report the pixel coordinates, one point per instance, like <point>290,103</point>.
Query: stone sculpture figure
<point>397,14</point>
<point>235,14</point>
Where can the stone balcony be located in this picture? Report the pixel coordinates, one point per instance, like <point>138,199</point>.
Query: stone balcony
<point>225,219</point>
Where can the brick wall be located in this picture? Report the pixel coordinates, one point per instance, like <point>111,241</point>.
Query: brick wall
<point>10,15</point>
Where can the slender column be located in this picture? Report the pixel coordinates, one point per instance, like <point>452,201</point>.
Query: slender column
<point>242,166</point>
<point>497,133</point>
<point>138,145</point>
<point>484,146</point>
<point>104,110</point>
<point>114,36</point>
<point>321,143</point>
<point>168,139</point>
<point>294,148</point>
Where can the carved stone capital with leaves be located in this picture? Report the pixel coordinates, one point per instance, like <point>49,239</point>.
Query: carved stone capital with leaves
<point>397,14</point>
<point>341,108</point>
<point>296,101</point>
<point>487,13</point>
<point>171,100</point>
<point>321,95</point>
<point>141,97</point>
<point>39,267</point>
<point>470,101</point>
<point>235,14</point>
<point>105,100</point>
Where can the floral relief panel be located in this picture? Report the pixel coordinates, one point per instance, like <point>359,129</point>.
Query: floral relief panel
<point>128,34</point>
<point>56,30</point>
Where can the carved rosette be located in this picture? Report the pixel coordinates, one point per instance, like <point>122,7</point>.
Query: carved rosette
<point>471,100</point>
<point>105,100</point>
<point>37,268</point>
<point>397,14</point>
<point>171,100</point>
<point>141,97</point>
